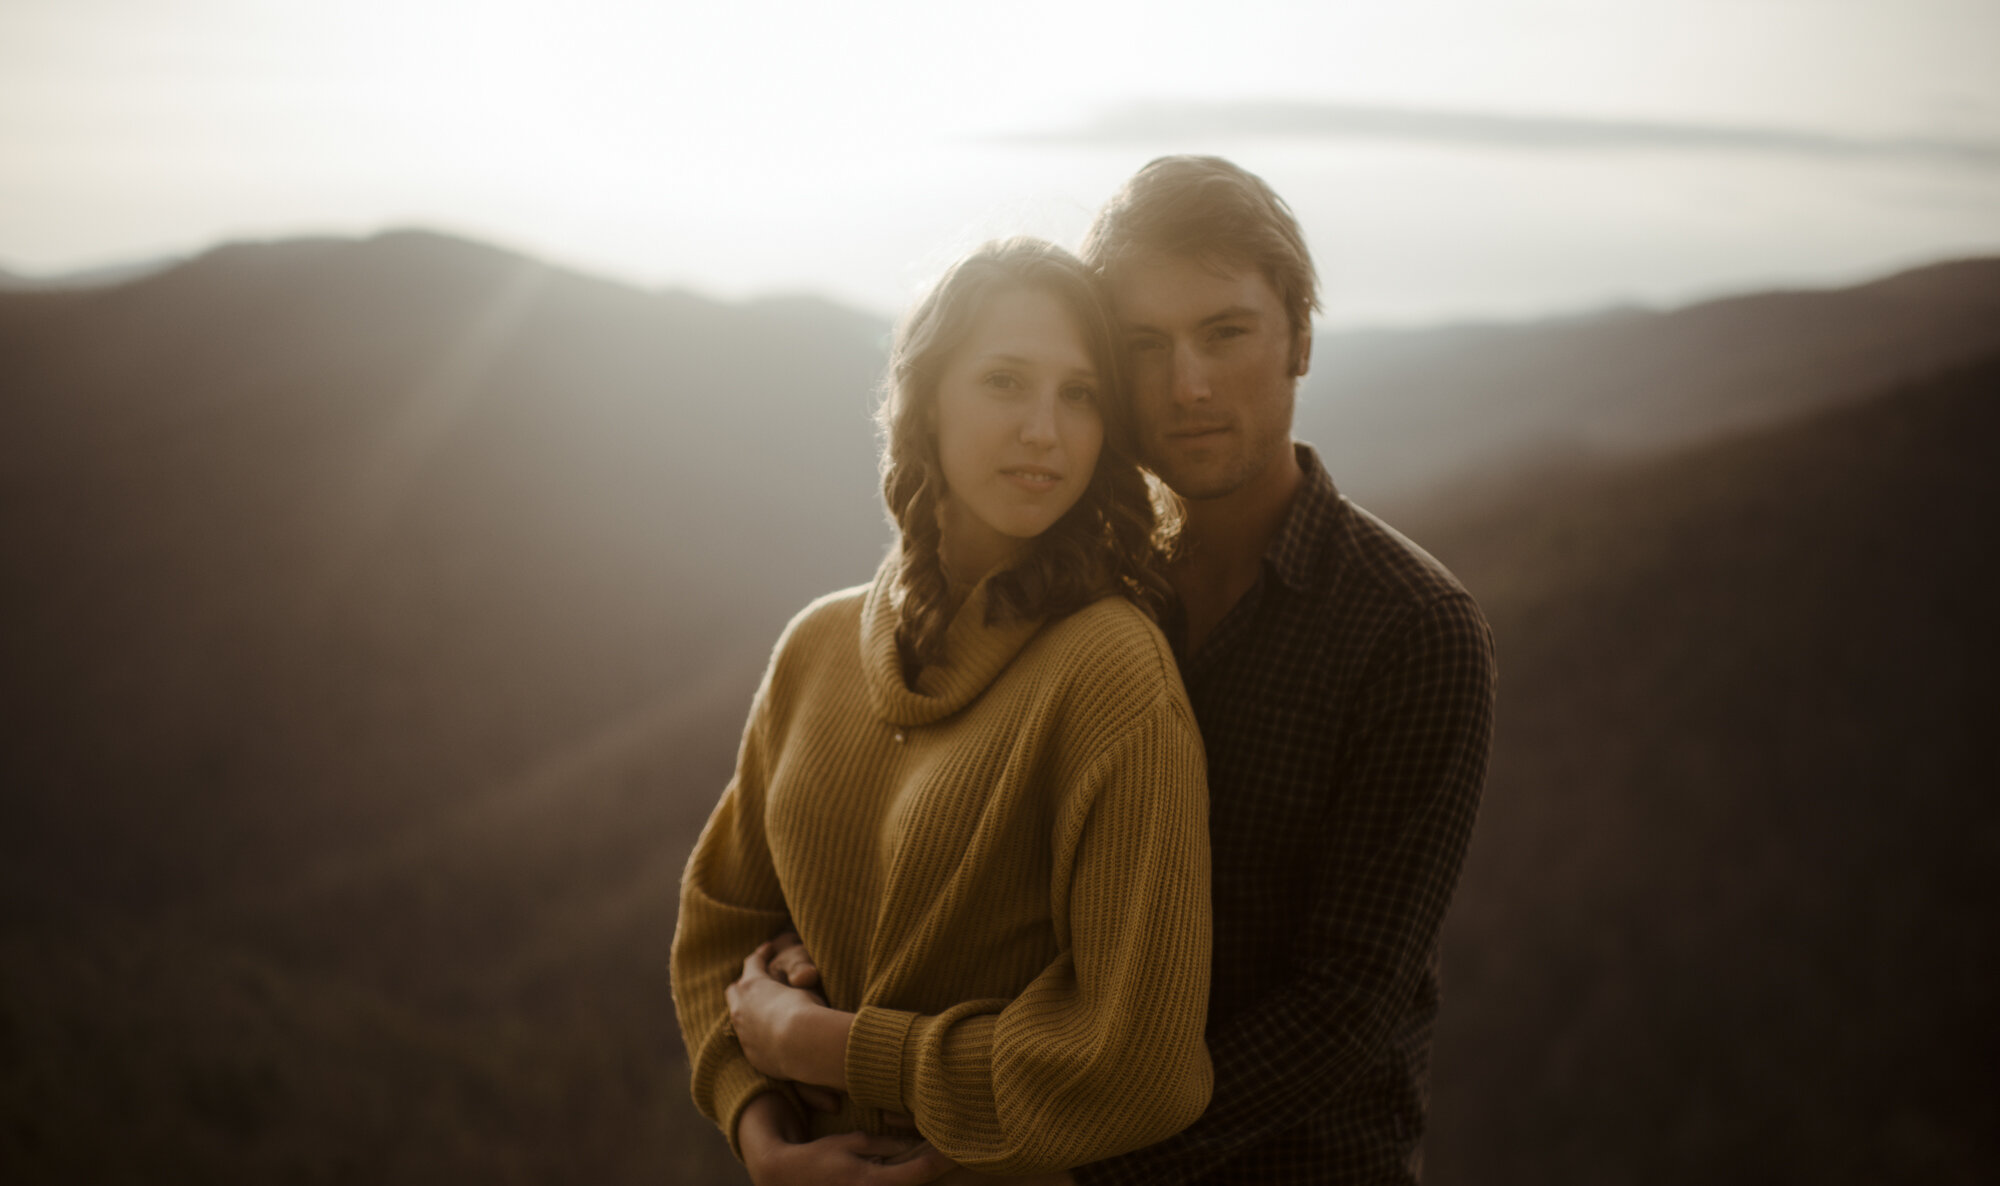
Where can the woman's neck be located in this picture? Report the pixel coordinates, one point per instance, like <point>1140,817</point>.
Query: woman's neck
<point>968,551</point>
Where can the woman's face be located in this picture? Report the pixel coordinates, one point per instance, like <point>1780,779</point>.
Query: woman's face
<point>1018,428</point>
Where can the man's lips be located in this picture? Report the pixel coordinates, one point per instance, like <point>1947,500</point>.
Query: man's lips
<point>1195,431</point>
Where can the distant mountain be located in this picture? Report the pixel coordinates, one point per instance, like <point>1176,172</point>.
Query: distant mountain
<point>268,509</point>
<point>378,618</point>
<point>1399,411</point>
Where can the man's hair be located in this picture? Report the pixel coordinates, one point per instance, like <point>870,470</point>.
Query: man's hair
<point>1105,543</point>
<point>1207,209</point>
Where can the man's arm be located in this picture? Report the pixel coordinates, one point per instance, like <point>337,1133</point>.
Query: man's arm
<point>777,1153</point>
<point>1396,836</point>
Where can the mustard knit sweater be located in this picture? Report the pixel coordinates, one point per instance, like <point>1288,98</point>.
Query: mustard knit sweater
<point>1003,872</point>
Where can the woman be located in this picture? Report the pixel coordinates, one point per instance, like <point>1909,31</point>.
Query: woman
<point>973,787</point>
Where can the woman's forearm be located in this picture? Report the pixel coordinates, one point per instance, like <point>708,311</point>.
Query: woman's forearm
<point>786,1032</point>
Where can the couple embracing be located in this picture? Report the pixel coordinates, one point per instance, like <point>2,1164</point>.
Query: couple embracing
<point>1107,834</point>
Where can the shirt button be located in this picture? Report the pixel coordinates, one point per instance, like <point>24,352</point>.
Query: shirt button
<point>901,736</point>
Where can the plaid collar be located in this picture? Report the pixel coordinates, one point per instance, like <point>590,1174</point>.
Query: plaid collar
<point>1306,547</point>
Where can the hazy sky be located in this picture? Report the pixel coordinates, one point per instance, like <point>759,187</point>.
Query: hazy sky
<point>1452,157</point>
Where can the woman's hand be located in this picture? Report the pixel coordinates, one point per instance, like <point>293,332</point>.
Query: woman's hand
<point>792,964</point>
<point>786,1032</point>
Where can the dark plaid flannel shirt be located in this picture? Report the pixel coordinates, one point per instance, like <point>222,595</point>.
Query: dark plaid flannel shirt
<point>1347,704</point>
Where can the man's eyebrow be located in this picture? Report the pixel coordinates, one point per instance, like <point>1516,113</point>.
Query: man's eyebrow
<point>1232,313</point>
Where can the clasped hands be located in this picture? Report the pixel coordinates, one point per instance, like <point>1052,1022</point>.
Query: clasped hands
<point>787,1031</point>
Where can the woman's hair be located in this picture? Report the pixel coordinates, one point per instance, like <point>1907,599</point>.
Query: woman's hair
<point>1105,543</point>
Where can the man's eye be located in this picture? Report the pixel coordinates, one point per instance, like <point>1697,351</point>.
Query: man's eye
<point>1223,333</point>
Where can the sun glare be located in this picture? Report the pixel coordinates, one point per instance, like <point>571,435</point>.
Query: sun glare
<point>849,149</point>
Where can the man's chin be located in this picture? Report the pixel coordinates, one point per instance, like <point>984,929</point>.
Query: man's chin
<point>1186,466</point>
<point>1198,483</point>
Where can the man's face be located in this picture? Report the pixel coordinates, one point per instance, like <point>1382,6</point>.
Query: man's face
<point>1213,360</point>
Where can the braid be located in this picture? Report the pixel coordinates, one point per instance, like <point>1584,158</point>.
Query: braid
<point>922,591</point>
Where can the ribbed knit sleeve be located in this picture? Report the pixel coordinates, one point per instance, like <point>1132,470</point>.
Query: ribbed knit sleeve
<point>730,903</point>
<point>1102,1052</point>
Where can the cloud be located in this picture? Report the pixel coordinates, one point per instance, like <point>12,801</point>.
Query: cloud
<point>1159,121</point>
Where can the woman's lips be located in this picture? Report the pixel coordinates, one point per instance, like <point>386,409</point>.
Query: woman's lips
<point>1032,478</point>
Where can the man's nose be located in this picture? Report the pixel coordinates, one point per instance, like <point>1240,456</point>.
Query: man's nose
<point>1038,423</point>
<point>1190,380</point>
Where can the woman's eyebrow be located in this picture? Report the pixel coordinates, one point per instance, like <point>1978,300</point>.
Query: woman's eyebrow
<point>1023,361</point>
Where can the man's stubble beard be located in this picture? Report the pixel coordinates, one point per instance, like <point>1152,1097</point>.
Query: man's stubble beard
<point>1228,475</point>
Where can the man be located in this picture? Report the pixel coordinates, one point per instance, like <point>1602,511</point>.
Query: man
<point>1343,682</point>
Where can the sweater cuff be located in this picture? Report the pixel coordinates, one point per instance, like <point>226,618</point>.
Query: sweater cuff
<point>736,1084</point>
<point>875,1057</point>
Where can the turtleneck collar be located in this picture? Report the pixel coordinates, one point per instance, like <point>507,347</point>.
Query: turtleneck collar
<point>975,654</point>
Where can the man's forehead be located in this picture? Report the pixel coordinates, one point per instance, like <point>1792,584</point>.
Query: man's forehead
<point>1152,284</point>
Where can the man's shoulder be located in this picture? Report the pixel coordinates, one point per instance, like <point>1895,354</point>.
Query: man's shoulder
<point>1383,599</point>
<point>1382,563</point>
<point>1363,568</point>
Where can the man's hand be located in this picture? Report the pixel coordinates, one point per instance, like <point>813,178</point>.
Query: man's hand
<point>966,1177</point>
<point>850,1159</point>
<point>776,1154</point>
<point>786,1032</point>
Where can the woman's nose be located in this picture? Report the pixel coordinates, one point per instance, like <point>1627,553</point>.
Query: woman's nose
<point>1038,426</point>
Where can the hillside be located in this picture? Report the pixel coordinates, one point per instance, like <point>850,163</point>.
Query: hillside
<point>374,523</point>
<point>1402,410</point>
<point>1732,900</point>
<point>379,618</point>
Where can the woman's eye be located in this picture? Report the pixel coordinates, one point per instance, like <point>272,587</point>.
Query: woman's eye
<point>1003,380</point>
<point>1143,345</point>
<point>1079,395</point>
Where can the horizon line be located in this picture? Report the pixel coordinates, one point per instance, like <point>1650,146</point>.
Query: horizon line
<point>116,274</point>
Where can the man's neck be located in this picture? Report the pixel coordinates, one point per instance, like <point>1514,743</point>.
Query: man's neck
<point>1223,545</point>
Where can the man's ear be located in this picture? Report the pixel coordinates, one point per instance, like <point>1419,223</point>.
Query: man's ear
<point>1302,351</point>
